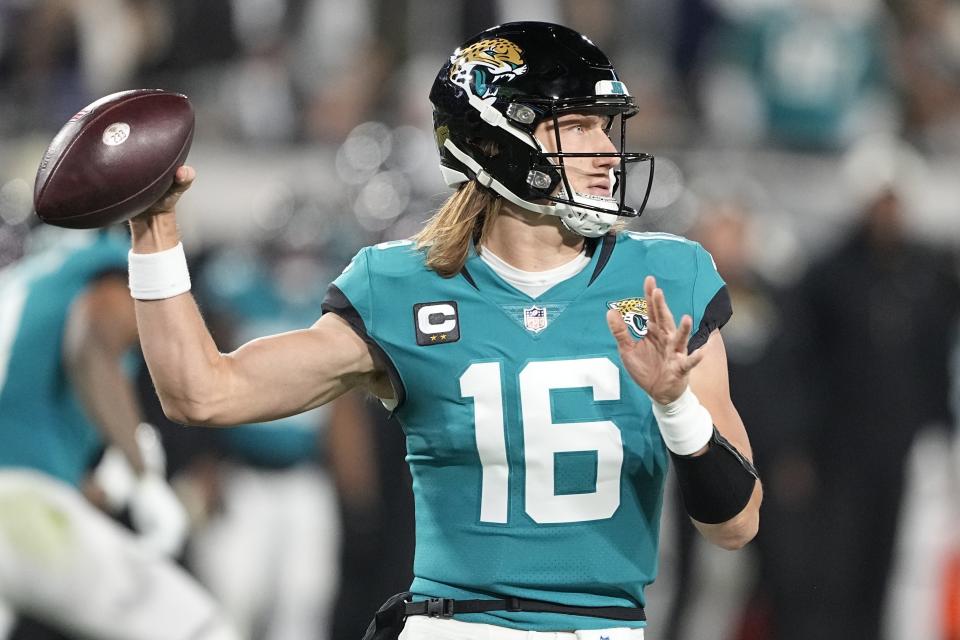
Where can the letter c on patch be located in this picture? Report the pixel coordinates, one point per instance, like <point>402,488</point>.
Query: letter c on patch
<point>436,318</point>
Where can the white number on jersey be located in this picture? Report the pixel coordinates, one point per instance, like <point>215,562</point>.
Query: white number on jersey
<point>543,438</point>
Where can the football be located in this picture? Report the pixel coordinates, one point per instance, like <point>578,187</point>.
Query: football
<point>113,159</point>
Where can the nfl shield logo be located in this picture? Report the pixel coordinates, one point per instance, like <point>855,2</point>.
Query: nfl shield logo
<point>535,319</point>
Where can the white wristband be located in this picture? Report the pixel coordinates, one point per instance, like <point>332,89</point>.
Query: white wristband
<point>155,276</point>
<point>685,424</point>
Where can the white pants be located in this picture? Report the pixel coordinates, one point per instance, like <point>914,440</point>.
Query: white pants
<point>68,565</point>
<point>271,556</point>
<point>425,628</point>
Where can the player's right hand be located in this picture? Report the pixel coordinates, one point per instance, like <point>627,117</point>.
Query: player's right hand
<point>167,203</point>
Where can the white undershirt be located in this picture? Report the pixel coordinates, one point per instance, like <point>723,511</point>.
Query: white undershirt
<point>534,283</point>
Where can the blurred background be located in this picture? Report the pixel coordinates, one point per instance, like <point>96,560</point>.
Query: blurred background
<point>813,146</point>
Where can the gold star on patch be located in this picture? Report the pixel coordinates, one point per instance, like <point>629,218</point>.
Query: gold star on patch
<point>433,338</point>
<point>443,337</point>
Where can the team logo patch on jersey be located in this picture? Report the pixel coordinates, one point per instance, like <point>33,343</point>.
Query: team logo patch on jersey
<point>535,318</point>
<point>436,322</point>
<point>634,313</point>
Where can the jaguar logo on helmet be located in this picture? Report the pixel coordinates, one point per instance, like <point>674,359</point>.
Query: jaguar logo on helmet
<point>634,313</point>
<point>479,67</point>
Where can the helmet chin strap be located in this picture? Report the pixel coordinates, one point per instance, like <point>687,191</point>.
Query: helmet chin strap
<point>583,221</point>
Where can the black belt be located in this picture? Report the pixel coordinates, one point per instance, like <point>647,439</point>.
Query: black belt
<point>448,607</point>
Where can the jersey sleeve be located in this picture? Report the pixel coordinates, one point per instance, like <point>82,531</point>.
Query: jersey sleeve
<point>351,297</point>
<point>711,300</point>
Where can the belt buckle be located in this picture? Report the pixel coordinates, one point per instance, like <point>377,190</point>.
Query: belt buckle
<point>440,607</point>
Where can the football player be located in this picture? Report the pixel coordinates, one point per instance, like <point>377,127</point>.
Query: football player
<point>66,324</point>
<point>547,368</point>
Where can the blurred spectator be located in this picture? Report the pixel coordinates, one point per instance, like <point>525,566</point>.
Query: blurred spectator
<point>808,74</point>
<point>878,313</point>
<point>928,61</point>
<point>344,61</point>
<point>69,53</point>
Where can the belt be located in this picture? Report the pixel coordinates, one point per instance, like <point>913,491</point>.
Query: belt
<point>448,607</point>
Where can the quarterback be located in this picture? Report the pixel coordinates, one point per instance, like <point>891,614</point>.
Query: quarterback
<point>547,367</point>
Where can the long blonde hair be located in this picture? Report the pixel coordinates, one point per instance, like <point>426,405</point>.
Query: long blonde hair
<point>466,216</point>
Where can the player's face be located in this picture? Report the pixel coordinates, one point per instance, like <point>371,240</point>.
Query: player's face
<point>583,133</point>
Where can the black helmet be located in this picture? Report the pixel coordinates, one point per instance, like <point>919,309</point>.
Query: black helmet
<point>498,86</point>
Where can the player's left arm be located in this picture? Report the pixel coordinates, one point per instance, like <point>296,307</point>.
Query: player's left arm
<point>709,381</point>
<point>701,428</point>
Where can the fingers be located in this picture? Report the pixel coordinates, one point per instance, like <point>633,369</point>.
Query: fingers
<point>658,313</point>
<point>649,287</point>
<point>649,284</point>
<point>682,336</point>
<point>619,329</point>
<point>664,316</point>
<point>183,178</point>
<point>693,360</point>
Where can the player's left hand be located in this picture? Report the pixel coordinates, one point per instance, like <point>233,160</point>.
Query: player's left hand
<point>659,363</point>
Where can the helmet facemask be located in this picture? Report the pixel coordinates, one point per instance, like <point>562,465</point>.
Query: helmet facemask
<point>588,214</point>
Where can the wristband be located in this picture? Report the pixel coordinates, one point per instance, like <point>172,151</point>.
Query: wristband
<point>160,275</point>
<point>685,424</point>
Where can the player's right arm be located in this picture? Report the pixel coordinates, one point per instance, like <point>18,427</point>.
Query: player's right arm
<point>265,379</point>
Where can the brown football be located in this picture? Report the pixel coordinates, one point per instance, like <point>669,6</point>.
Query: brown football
<point>113,159</point>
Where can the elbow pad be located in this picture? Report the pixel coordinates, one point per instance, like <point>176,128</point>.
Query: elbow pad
<point>717,485</point>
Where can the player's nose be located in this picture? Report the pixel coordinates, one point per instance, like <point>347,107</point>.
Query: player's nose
<point>606,146</point>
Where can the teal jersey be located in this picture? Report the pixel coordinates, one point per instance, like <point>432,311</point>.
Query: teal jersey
<point>537,465</point>
<point>42,425</point>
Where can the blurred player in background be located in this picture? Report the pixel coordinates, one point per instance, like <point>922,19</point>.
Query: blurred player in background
<point>266,549</point>
<point>66,325</point>
<point>527,348</point>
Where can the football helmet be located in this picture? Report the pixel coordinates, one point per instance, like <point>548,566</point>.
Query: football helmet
<point>493,92</point>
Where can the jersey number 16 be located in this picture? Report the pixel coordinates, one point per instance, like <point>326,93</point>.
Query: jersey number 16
<point>543,438</point>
